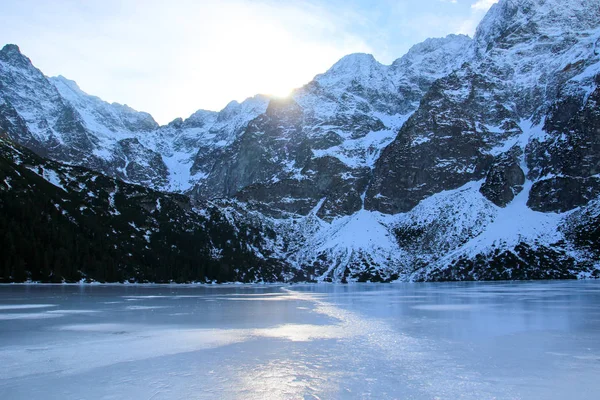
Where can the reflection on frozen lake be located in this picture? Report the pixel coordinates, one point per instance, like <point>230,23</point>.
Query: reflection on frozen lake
<point>407,341</point>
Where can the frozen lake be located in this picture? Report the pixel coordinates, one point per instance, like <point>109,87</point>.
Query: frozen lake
<point>405,341</point>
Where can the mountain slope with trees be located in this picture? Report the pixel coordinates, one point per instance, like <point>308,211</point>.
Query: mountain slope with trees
<point>66,223</point>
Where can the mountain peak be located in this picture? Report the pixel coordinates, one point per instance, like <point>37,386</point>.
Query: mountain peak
<point>10,48</point>
<point>434,57</point>
<point>355,62</point>
<point>512,18</point>
<point>67,82</point>
<point>199,119</point>
<point>432,44</point>
<point>12,54</point>
<point>421,53</point>
<point>357,66</point>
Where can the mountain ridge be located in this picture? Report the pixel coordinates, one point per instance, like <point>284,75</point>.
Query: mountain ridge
<point>463,159</point>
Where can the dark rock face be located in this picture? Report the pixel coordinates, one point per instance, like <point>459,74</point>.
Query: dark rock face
<point>563,194</point>
<point>13,126</point>
<point>524,262</point>
<point>75,134</point>
<point>299,196</point>
<point>141,164</point>
<point>573,142</point>
<point>570,155</point>
<point>582,228</point>
<point>442,146</point>
<point>255,156</point>
<point>432,152</point>
<point>272,164</point>
<point>505,178</point>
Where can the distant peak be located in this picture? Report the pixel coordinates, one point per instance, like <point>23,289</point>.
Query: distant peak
<point>257,101</point>
<point>12,55</point>
<point>433,44</point>
<point>200,114</point>
<point>62,78</point>
<point>196,120</point>
<point>351,67</point>
<point>435,54</point>
<point>259,98</point>
<point>359,56</point>
<point>539,16</point>
<point>176,123</point>
<point>355,60</point>
<point>67,82</point>
<point>11,48</point>
<point>232,104</point>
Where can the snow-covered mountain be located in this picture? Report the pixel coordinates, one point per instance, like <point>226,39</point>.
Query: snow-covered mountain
<point>463,159</point>
<point>54,117</point>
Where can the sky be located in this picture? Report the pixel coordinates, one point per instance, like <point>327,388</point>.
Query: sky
<point>171,58</point>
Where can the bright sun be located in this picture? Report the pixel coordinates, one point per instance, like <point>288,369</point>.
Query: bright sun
<point>277,84</point>
<point>281,93</point>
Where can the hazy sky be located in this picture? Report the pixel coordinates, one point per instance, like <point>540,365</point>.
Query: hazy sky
<point>171,58</point>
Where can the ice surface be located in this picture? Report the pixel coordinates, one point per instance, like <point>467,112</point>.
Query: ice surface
<point>409,341</point>
<point>24,306</point>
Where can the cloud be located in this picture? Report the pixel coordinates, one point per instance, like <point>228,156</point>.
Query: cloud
<point>478,10</point>
<point>483,5</point>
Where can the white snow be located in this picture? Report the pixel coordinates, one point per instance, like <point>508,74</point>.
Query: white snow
<point>54,178</point>
<point>364,235</point>
<point>7,182</point>
<point>111,202</point>
<point>364,151</point>
<point>364,230</point>
<point>514,224</point>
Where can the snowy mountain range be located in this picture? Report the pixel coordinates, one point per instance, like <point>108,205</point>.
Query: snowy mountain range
<point>466,158</point>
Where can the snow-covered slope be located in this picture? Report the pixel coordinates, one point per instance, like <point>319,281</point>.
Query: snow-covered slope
<point>26,90</point>
<point>55,117</point>
<point>107,121</point>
